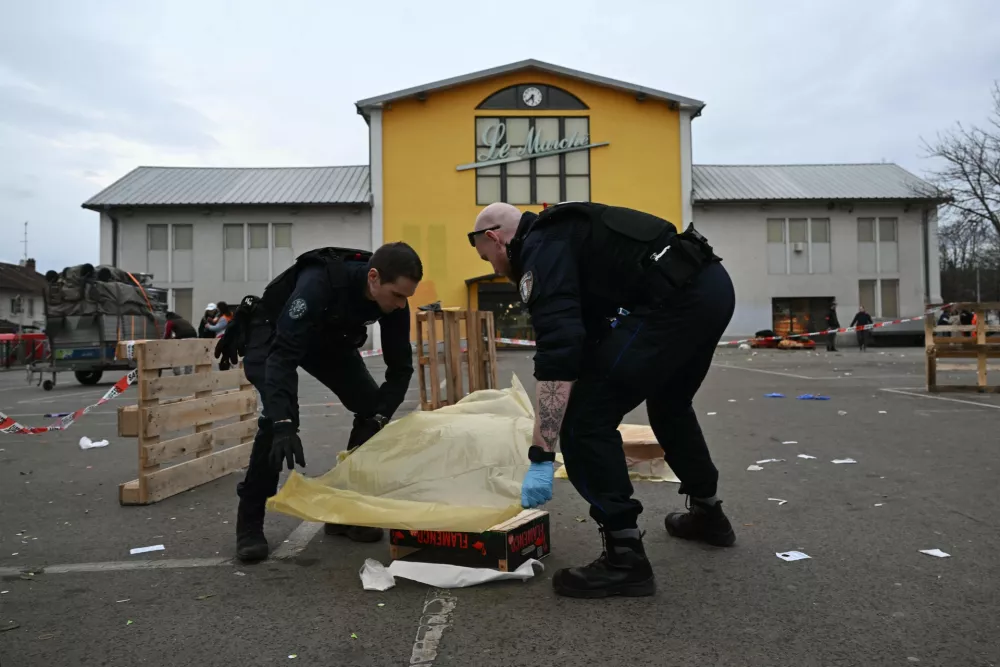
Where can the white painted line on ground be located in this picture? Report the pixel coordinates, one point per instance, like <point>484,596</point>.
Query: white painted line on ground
<point>942,398</point>
<point>118,566</point>
<point>434,618</point>
<point>761,370</point>
<point>298,540</point>
<point>49,398</point>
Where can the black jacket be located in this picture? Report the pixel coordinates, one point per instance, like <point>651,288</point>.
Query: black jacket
<point>316,316</point>
<point>861,319</point>
<point>575,270</point>
<point>832,321</point>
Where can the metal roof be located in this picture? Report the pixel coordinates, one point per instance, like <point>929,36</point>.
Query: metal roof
<point>558,70</point>
<point>800,182</point>
<point>205,186</point>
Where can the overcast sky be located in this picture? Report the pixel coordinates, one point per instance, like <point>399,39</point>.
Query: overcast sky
<point>90,90</point>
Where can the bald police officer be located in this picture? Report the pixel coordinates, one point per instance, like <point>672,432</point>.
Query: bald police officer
<point>315,316</point>
<point>625,310</point>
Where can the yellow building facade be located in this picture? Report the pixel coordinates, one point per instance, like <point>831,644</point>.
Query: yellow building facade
<point>529,134</point>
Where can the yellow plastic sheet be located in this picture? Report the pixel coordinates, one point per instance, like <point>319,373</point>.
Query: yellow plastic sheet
<point>456,468</point>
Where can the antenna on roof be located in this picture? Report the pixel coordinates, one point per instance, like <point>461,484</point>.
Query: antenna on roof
<point>25,241</point>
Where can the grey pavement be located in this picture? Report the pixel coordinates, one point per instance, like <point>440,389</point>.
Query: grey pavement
<point>925,477</point>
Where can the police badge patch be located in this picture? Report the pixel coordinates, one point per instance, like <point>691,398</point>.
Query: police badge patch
<point>297,309</point>
<point>527,281</point>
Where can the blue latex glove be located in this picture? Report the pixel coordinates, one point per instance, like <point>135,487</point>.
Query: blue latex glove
<point>537,487</point>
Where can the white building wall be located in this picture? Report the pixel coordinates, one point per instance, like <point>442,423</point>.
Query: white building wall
<point>201,269</point>
<point>738,232</point>
<point>37,316</point>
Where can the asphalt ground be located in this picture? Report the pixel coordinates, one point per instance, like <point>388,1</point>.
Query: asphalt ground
<point>925,478</point>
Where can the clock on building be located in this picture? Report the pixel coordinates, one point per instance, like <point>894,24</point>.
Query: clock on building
<point>532,96</point>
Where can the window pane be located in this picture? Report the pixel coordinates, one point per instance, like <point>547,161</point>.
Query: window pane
<point>577,188</point>
<point>775,230</point>
<point>521,168</point>
<point>866,230</point>
<point>518,190</point>
<point>579,126</point>
<point>797,230</point>
<point>866,294</point>
<point>183,237</point>
<point>578,162</point>
<point>821,230</point>
<point>489,171</point>
<point>157,237</point>
<point>547,190</point>
<point>233,235</point>
<point>547,165</point>
<point>887,230</point>
<point>547,129</point>
<point>258,236</point>
<point>282,236</point>
<point>517,131</point>
<point>483,124</point>
<point>487,189</point>
<point>890,298</point>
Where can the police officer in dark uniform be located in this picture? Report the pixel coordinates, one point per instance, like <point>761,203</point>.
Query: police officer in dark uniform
<point>314,316</point>
<point>625,310</point>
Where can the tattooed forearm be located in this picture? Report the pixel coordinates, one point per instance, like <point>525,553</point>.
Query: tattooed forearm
<point>551,398</point>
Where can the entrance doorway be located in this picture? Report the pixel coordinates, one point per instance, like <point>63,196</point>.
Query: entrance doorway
<point>799,315</point>
<point>510,316</point>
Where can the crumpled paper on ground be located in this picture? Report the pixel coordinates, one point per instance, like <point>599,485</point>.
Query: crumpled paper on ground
<point>643,456</point>
<point>377,577</point>
<point>457,468</point>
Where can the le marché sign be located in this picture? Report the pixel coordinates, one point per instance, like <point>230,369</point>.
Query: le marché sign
<point>536,145</point>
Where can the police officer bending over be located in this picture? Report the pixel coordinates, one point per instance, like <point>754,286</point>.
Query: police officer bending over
<point>625,310</point>
<point>315,316</point>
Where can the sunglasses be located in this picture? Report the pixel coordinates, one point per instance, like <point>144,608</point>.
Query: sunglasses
<point>472,235</point>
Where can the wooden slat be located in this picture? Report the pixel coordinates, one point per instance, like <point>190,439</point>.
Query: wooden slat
<point>959,353</point>
<point>965,327</point>
<point>128,493</point>
<point>981,352</point>
<point>183,385</point>
<point>168,450</point>
<point>128,421</point>
<point>965,367</point>
<point>157,420</point>
<point>145,404</point>
<point>432,368</point>
<point>966,343</point>
<point>492,350</point>
<point>183,476</point>
<point>171,353</point>
<point>972,305</point>
<point>421,361</point>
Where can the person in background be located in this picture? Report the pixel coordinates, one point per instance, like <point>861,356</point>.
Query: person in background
<point>218,328</point>
<point>947,319</point>
<point>178,327</point>
<point>832,322</point>
<point>861,319</point>
<point>211,312</point>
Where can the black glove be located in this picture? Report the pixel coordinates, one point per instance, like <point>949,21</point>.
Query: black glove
<point>364,430</point>
<point>233,343</point>
<point>286,446</point>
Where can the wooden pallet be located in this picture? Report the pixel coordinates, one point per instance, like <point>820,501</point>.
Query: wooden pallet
<point>181,442</point>
<point>961,345</point>
<point>479,357</point>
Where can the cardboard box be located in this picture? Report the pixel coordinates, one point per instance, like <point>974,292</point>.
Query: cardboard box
<point>503,547</point>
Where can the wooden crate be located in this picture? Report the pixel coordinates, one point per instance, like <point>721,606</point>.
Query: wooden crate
<point>978,347</point>
<point>479,355</point>
<point>180,444</point>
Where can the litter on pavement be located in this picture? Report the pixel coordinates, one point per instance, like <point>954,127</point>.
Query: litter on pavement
<point>769,461</point>
<point>142,550</point>
<point>775,395</point>
<point>87,443</point>
<point>779,501</point>
<point>791,555</point>
<point>813,397</point>
<point>935,552</point>
<point>754,467</point>
<point>790,442</point>
<point>806,456</point>
<point>377,577</point>
<point>843,461</point>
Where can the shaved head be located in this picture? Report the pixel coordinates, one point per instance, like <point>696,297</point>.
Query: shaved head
<point>502,215</point>
<point>497,224</point>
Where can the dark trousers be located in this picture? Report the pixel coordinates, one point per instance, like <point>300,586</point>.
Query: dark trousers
<point>341,370</point>
<point>661,358</point>
<point>831,342</point>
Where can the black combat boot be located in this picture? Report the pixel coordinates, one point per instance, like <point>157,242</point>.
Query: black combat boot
<point>701,522</point>
<point>354,533</point>
<point>251,545</point>
<point>622,569</point>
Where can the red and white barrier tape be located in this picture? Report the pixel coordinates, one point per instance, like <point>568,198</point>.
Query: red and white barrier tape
<point>8,425</point>
<point>867,327</point>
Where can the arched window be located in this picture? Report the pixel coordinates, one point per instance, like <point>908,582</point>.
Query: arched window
<point>533,97</point>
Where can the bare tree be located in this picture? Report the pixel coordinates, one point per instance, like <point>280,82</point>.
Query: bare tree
<point>970,174</point>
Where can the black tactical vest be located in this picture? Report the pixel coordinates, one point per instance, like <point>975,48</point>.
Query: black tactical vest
<point>335,261</point>
<point>614,247</point>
